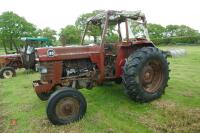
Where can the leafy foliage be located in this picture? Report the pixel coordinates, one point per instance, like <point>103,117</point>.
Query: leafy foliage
<point>82,20</point>
<point>49,33</point>
<point>173,34</point>
<point>93,30</point>
<point>156,31</point>
<point>111,35</point>
<point>180,30</point>
<point>178,40</point>
<point>69,35</point>
<point>13,27</point>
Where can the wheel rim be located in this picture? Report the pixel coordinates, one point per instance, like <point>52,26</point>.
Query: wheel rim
<point>152,76</point>
<point>7,74</point>
<point>67,108</point>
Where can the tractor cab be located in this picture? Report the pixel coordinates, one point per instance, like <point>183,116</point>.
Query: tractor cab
<point>118,34</point>
<point>27,50</point>
<point>115,27</point>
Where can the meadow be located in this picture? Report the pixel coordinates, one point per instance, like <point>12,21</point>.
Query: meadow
<point>2,51</point>
<point>109,109</point>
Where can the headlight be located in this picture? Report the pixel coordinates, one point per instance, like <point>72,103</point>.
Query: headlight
<point>42,69</point>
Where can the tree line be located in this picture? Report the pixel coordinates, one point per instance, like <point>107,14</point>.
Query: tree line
<point>13,27</point>
<point>172,34</point>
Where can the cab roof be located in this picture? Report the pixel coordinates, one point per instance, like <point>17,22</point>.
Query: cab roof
<point>117,16</point>
<point>40,39</point>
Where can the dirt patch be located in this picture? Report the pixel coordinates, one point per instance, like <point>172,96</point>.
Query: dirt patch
<point>172,118</point>
<point>1,119</point>
<point>187,94</point>
<point>1,124</point>
<point>43,125</point>
<point>163,104</point>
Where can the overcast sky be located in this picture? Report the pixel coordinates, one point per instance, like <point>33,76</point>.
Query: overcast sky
<point>59,13</point>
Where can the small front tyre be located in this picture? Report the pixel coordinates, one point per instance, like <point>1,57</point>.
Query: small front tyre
<point>65,106</point>
<point>7,72</point>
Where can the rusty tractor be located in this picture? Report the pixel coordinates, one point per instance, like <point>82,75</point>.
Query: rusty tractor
<point>132,59</point>
<point>22,57</point>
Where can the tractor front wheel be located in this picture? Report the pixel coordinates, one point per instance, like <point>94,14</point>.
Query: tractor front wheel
<point>65,106</point>
<point>145,74</point>
<point>7,72</point>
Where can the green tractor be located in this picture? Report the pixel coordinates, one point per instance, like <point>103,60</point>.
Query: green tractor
<point>22,56</point>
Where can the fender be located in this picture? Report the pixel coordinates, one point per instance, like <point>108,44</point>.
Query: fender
<point>125,50</point>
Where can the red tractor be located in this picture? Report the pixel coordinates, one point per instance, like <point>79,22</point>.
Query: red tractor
<point>132,59</point>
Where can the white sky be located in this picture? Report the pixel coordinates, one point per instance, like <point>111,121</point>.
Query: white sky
<point>59,13</point>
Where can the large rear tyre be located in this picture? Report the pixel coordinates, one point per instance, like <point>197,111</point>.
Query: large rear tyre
<point>7,72</point>
<point>65,106</point>
<point>146,74</point>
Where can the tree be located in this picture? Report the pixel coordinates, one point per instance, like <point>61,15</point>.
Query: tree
<point>70,35</point>
<point>180,30</point>
<point>13,27</point>
<point>156,31</point>
<point>49,33</point>
<point>112,35</point>
<point>171,30</point>
<point>82,19</point>
<point>186,31</point>
<point>93,30</point>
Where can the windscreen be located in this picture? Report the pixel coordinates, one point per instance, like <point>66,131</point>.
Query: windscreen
<point>136,30</point>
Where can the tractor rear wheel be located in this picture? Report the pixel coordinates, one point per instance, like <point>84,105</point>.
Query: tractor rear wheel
<point>146,73</point>
<point>7,72</point>
<point>65,106</point>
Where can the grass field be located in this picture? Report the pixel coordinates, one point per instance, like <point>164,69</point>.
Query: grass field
<point>109,110</point>
<point>2,51</point>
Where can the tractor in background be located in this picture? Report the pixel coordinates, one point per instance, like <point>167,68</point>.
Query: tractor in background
<point>22,56</point>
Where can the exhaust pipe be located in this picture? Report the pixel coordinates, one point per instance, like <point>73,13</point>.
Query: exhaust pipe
<point>173,53</point>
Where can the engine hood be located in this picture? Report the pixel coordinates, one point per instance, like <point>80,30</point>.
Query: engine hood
<point>66,52</point>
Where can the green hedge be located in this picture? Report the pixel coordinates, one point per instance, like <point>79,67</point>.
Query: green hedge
<point>178,40</point>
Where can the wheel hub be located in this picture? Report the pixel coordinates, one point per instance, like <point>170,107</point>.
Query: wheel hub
<point>7,74</point>
<point>152,76</point>
<point>148,74</point>
<point>67,108</point>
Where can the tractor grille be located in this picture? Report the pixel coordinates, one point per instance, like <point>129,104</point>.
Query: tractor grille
<point>50,71</point>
